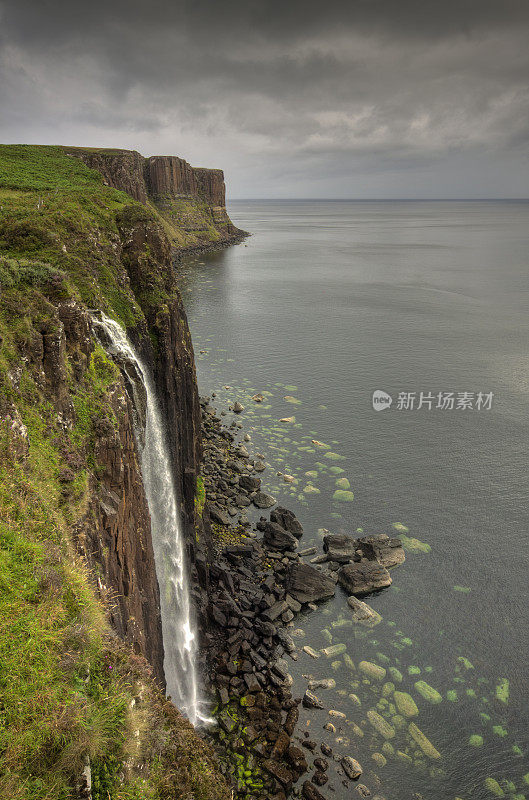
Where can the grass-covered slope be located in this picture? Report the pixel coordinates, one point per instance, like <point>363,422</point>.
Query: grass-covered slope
<point>71,693</point>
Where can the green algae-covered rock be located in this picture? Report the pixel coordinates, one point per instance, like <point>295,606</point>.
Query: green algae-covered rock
<point>428,692</point>
<point>502,691</point>
<point>388,689</point>
<point>342,496</point>
<point>424,743</point>
<point>396,674</point>
<point>405,704</point>
<point>372,671</point>
<point>342,483</point>
<point>379,759</point>
<point>492,786</point>
<point>388,749</point>
<point>334,650</point>
<point>348,661</point>
<point>475,740</point>
<point>380,725</point>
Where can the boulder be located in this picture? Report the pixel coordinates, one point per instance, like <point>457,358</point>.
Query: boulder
<point>351,767</point>
<point>309,792</point>
<point>262,500</point>
<point>339,547</point>
<point>288,520</point>
<point>250,483</point>
<point>311,701</point>
<point>277,538</point>
<point>307,584</point>
<point>218,516</point>
<point>237,407</point>
<point>387,552</point>
<point>362,578</point>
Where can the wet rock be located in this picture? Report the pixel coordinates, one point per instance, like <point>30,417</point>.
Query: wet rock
<point>280,772</point>
<point>321,763</point>
<point>363,578</point>
<point>322,683</point>
<point>362,613</point>
<point>311,652</point>
<point>262,500</point>
<point>319,778</point>
<point>288,520</point>
<point>259,466</point>
<point>277,538</point>
<point>309,792</point>
<point>381,548</point>
<point>297,758</point>
<point>237,407</point>
<point>339,547</point>
<point>282,743</point>
<point>226,722</point>
<point>307,584</point>
<point>250,483</point>
<point>372,670</point>
<point>351,767</point>
<point>362,790</point>
<point>311,701</point>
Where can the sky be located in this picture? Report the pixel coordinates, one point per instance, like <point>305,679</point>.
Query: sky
<point>298,98</point>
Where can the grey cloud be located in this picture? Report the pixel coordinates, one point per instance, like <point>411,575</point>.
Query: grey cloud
<point>273,91</point>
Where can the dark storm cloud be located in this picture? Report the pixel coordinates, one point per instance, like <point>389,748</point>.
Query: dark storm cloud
<point>292,98</point>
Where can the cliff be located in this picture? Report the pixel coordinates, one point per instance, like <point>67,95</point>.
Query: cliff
<point>80,636</point>
<point>190,200</point>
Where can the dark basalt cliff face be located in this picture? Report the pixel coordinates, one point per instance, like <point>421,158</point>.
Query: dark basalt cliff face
<point>194,198</point>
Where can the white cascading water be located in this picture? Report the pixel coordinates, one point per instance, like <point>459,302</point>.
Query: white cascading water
<point>177,628</point>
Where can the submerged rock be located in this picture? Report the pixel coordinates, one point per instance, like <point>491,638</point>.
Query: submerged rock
<point>362,613</point>
<point>423,742</point>
<point>372,671</point>
<point>405,704</point>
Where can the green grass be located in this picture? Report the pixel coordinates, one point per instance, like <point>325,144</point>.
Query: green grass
<point>68,687</point>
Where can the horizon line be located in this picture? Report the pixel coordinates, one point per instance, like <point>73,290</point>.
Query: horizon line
<point>383,199</point>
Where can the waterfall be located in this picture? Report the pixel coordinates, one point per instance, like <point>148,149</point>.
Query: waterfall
<point>177,626</point>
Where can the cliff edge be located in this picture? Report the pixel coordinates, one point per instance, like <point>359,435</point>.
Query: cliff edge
<point>83,710</point>
<point>190,200</point>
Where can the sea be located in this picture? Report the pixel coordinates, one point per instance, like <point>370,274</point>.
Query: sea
<point>390,341</point>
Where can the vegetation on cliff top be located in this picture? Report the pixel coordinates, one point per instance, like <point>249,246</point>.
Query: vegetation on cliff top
<point>70,691</point>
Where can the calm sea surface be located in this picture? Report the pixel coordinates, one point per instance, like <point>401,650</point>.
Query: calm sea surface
<point>324,304</point>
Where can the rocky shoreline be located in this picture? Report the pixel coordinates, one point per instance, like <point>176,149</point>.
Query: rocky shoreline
<point>259,583</point>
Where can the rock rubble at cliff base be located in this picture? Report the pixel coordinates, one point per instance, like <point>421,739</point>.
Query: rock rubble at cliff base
<point>258,585</point>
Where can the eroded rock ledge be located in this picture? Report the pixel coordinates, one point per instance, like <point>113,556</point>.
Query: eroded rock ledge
<point>193,199</point>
